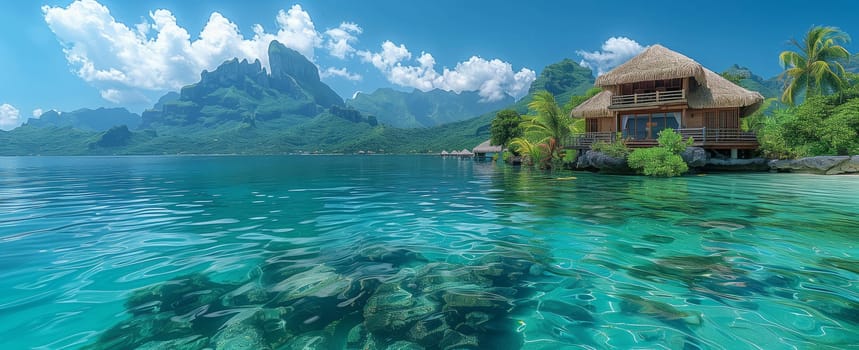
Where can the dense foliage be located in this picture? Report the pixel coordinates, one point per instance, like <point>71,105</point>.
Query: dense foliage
<point>664,160</point>
<point>505,127</point>
<point>819,126</point>
<point>543,132</point>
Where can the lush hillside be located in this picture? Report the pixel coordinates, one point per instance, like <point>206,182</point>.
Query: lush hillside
<point>243,92</point>
<point>767,87</point>
<point>239,109</point>
<point>86,119</point>
<point>419,109</point>
<point>564,79</point>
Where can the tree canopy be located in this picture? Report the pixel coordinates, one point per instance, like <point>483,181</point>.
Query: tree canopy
<point>815,68</point>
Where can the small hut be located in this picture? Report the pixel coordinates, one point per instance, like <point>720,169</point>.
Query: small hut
<point>485,151</point>
<point>444,153</point>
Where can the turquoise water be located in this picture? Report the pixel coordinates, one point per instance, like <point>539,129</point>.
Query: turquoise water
<point>410,252</point>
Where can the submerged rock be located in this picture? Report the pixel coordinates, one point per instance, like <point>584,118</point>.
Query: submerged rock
<point>403,345</point>
<point>239,336</point>
<point>656,309</point>
<point>456,340</point>
<point>569,311</point>
<point>321,281</point>
<point>436,277</point>
<point>181,295</point>
<point>428,331</point>
<point>392,309</point>
<point>143,329</point>
<point>194,342</point>
<point>310,341</point>
<point>394,256</point>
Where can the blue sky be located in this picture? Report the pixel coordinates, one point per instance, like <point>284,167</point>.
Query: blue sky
<point>494,47</point>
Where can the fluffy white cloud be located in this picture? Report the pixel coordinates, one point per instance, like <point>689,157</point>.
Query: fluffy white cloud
<point>340,72</point>
<point>158,54</point>
<point>491,78</point>
<point>37,113</point>
<point>615,51</point>
<point>340,39</point>
<point>9,117</point>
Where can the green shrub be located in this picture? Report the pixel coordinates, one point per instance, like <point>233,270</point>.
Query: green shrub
<point>672,141</point>
<point>616,149</point>
<point>664,160</point>
<point>657,161</point>
<point>569,156</point>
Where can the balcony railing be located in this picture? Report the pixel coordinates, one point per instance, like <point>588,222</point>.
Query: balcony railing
<point>651,98</point>
<point>716,135</point>
<point>703,137</point>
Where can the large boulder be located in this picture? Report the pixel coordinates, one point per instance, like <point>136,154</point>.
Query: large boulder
<point>813,165</point>
<point>604,163</point>
<point>695,157</point>
<point>850,166</point>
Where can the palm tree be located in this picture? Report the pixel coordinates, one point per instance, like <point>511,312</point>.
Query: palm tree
<point>816,67</point>
<point>544,132</point>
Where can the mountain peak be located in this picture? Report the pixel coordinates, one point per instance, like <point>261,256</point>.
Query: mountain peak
<point>285,61</point>
<point>288,64</point>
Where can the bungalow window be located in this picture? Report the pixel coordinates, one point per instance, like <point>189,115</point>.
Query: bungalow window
<point>592,125</point>
<point>648,126</point>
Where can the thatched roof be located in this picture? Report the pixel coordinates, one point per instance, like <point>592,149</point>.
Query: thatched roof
<point>594,107</point>
<point>655,63</point>
<point>713,91</point>
<point>720,92</point>
<point>486,147</point>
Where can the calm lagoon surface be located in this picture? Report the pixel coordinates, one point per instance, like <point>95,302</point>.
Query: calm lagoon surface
<point>407,252</point>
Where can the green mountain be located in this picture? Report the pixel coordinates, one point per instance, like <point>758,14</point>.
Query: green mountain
<point>564,79</point>
<point>767,87</point>
<point>86,119</point>
<point>243,92</point>
<point>240,109</point>
<point>419,109</point>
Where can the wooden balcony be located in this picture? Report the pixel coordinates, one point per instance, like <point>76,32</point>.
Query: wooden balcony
<point>584,141</point>
<point>721,138</point>
<point>647,99</point>
<point>703,137</point>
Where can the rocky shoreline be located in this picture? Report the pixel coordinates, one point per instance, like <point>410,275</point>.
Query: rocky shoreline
<point>699,160</point>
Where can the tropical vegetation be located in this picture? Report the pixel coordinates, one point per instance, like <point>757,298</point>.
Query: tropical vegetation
<point>816,67</point>
<point>663,160</point>
<point>505,127</point>
<point>544,132</point>
<point>826,121</point>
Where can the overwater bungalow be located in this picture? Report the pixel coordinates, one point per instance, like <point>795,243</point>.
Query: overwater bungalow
<point>661,89</point>
<point>485,150</point>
